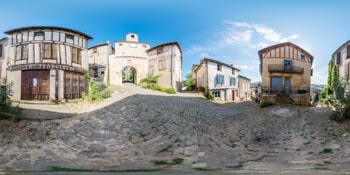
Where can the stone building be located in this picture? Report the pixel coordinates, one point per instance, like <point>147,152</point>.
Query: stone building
<point>341,58</point>
<point>131,61</point>
<point>286,72</point>
<point>99,61</point>
<point>45,62</point>
<point>243,88</point>
<point>219,77</point>
<point>166,60</point>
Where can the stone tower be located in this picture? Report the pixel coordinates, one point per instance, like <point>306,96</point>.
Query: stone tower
<point>132,37</point>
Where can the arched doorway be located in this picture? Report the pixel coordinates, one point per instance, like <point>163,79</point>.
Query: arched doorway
<point>129,75</point>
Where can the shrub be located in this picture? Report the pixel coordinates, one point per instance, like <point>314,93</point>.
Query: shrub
<point>150,82</point>
<point>265,104</point>
<point>97,92</point>
<point>6,92</point>
<point>209,95</point>
<point>170,90</point>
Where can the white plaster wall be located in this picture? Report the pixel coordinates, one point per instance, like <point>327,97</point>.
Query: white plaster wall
<point>52,84</point>
<point>226,71</point>
<point>15,77</point>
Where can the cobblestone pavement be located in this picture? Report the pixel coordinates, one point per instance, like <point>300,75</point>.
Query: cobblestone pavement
<point>138,127</point>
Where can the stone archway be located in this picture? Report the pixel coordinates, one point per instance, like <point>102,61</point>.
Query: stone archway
<point>129,75</point>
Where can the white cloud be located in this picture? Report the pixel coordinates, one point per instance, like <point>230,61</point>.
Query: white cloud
<point>246,67</point>
<point>253,35</point>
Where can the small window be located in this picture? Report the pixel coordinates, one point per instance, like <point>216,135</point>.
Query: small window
<point>159,50</point>
<point>102,72</point>
<point>161,64</point>
<point>348,51</point>
<point>69,38</point>
<point>39,35</point>
<point>216,94</point>
<point>120,44</point>
<point>302,57</point>
<point>132,36</point>
<point>233,71</point>
<point>219,67</point>
<point>337,61</point>
<point>76,55</point>
<point>25,52</point>
<point>233,81</point>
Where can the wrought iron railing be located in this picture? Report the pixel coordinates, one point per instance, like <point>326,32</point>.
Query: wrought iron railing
<point>285,69</point>
<point>299,90</point>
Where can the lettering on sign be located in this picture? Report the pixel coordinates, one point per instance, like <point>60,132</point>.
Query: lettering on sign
<point>46,66</point>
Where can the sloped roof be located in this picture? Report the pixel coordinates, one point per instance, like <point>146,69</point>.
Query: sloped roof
<point>215,61</point>
<point>165,44</point>
<point>260,52</point>
<point>47,27</point>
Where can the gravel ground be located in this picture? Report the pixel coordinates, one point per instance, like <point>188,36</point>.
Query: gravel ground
<point>138,127</point>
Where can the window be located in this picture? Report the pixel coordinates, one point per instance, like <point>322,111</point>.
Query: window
<point>39,35</point>
<point>0,50</point>
<point>69,38</point>
<point>132,36</point>
<point>161,64</point>
<point>159,50</point>
<point>76,55</point>
<point>216,94</point>
<point>25,52</point>
<point>276,83</point>
<point>219,80</point>
<point>337,60</point>
<point>219,67</point>
<point>50,51</point>
<point>302,57</point>
<point>102,72</point>
<point>348,51</point>
<point>233,71</point>
<point>233,81</point>
<point>18,53</point>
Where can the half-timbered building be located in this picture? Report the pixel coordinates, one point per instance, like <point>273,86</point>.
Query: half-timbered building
<point>286,72</point>
<point>45,62</point>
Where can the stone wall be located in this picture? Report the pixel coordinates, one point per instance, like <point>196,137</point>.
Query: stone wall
<point>301,99</point>
<point>268,98</point>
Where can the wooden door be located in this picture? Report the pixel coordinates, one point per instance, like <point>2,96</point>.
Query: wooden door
<point>74,85</point>
<point>35,85</point>
<point>233,95</point>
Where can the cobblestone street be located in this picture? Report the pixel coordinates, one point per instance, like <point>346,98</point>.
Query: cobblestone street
<point>138,127</point>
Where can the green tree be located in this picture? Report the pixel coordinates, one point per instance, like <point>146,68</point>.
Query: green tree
<point>150,79</point>
<point>341,100</point>
<point>188,83</point>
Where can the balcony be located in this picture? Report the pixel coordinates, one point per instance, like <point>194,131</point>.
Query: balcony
<point>280,68</point>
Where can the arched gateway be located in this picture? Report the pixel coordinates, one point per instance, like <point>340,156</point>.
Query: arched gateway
<point>129,75</point>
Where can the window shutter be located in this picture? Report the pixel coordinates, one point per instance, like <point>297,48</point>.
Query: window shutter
<point>348,51</point>
<point>338,58</point>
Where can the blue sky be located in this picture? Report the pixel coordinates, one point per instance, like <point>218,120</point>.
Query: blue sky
<point>231,31</point>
